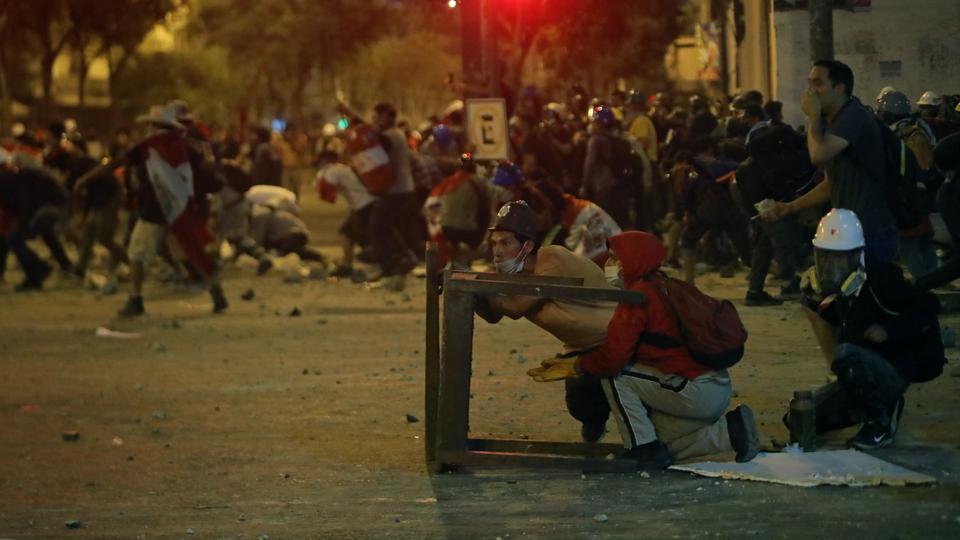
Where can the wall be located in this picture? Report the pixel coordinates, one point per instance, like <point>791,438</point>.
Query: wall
<point>919,34</point>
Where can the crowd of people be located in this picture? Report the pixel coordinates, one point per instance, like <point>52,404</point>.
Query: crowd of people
<point>610,190</point>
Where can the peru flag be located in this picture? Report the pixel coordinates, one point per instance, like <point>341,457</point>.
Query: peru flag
<point>168,168</point>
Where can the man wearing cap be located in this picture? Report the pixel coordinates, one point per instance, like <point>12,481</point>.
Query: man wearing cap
<point>164,165</point>
<point>579,324</point>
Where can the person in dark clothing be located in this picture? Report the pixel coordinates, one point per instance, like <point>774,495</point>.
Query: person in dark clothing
<point>99,199</point>
<point>844,138</point>
<point>602,182</point>
<point>946,159</point>
<point>705,200</point>
<point>886,332</point>
<point>34,202</point>
<point>267,165</point>
<point>777,169</point>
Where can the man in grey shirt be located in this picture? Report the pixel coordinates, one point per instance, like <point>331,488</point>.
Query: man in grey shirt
<point>396,226</point>
<point>845,140</point>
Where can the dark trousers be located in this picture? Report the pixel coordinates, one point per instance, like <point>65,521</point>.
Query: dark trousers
<point>34,269</point>
<point>720,219</point>
<point>870,388</point>
<point>775,240</point>
<point>394,230</point>
<point>616,202</point>
<point>586,400</point>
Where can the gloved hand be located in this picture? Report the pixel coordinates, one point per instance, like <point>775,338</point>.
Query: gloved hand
<point>554,369</point>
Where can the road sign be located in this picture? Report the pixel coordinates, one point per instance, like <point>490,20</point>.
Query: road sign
<point>487,128</point>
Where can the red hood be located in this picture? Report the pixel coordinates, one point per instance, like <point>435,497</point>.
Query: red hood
<point>640,253</point>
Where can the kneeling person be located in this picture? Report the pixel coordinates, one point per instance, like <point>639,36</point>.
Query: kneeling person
<point>886,332</point>
<point>667,406</point>
<point>579,324</point>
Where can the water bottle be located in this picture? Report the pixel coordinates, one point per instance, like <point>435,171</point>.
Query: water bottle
<point>803,420</point>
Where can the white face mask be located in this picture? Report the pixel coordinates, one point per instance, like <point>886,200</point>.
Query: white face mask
<point>512,266</point>
<point>612,273</point>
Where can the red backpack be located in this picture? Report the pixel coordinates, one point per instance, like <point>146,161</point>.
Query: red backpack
<point>710,329</point>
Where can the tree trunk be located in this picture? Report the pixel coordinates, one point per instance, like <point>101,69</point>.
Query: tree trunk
<point>821,30</point>
<point>5,100</point>
<point>82,81</point>
<point>46,78</point>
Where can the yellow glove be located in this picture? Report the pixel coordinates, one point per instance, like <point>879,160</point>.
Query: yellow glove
<point>554,369</point>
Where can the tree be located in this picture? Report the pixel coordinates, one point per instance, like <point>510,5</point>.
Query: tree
<point>620,39</point>
<point>284,42</point>
<point>47,23</point>
<point>121,31</point>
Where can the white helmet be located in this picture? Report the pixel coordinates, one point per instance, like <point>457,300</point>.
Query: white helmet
<point>929,98</point>
<point>884,91</point>
<point>839,230</point>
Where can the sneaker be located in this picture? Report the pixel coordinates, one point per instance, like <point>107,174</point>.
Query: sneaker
<point>593,431</point>
<point>653,455</point>
<point>133,308</point>
<point>219,300</point>
<point>742,428</point>
<point>872,435</point>
<point>791,289</point>
<point>761,298</point>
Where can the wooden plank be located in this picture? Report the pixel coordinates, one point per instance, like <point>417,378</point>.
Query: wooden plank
<point>519,278</point>
<point>453,410</point>
<point>582,449</point>
<point>537,461</point>
<point>431,353</point>
<point>560,292</point>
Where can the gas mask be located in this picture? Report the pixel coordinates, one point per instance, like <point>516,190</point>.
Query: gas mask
<point>839,272</point>
<point>512,266</point>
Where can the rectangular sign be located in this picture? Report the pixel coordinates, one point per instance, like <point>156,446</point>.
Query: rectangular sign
<point>487,128</point>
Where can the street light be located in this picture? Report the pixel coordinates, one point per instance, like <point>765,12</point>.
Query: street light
<point>452,4</point>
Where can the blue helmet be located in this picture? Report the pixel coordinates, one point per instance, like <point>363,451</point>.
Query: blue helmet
<point>507,174</point>
<point>441,134</point>
<point>604,115</point>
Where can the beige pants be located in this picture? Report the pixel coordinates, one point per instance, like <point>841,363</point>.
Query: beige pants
<point>145,241</point>
<point>687,415</point>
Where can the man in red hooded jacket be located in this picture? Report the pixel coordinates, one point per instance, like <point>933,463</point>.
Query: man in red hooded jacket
<point>667,406</point>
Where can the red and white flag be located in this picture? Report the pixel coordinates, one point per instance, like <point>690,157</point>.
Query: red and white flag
<point>170,174</point>
<point>168,168</point>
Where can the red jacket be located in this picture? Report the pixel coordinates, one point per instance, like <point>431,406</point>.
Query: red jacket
<point>646,333</point>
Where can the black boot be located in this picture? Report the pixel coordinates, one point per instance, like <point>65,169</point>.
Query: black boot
<point>133,307</point>
<point>652,455</point>
<point>219,300</point>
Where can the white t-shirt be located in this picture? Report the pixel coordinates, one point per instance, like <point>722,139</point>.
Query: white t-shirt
<point>347,183</point>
